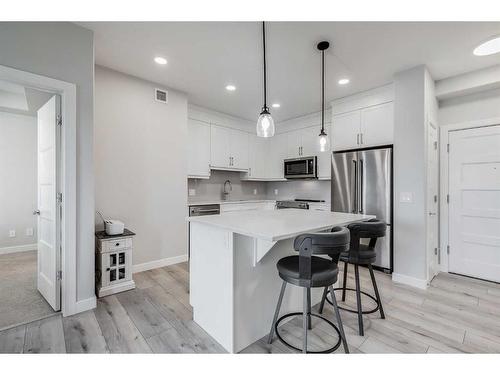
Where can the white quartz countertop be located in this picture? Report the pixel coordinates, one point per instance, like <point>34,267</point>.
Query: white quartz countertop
<point>215,201</point>
<point>275,225</point>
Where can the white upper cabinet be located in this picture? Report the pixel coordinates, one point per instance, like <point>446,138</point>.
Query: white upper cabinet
<point>229,148</point>
<point>239,149</point>
<point>198,149</point>
<point>309,140</point>
<point>277,153</point>
<point>258,153</point>
<point>220,140</point>
<point>345,130</point>
<point>377,125</point>
<point>294,143</point>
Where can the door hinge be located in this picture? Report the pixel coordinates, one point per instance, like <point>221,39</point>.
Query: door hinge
<point>59,120</point>
<point>435,251</point>
<point>59,198</point>
<point>59,275</point>
<point>447,198</point>
<point>448,249</point>
<point>435,145</point>
<point>435,198</point>
<point>447,147</point>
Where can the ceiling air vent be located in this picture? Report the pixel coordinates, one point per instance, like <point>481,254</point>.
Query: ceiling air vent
<point>161,96</point>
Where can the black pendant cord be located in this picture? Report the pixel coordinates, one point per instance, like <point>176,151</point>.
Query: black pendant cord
<point>323,92</point>
<point>265,79</point>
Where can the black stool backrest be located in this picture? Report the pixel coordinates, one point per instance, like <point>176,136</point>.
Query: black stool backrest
<point>334,242</point>
<point>371,229</point>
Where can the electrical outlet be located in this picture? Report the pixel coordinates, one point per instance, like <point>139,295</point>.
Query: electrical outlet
<point>406,197</point>
<point>275,191</point>
<point>192,192</point>
<point>254,191</point>
<point>29,231</point>
<point>12,233</point>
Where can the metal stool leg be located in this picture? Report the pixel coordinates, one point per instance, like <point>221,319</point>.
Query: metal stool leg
<point>358,298</point>
<point>305,316</point>
<point>323,299</point>
<point>339,320</point>
<point>374,282</point>
<point>345,281</point>
<point>277,312</point>
<point>309,321</point>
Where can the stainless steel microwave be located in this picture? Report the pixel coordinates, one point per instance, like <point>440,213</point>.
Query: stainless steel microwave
<point>306,167</point>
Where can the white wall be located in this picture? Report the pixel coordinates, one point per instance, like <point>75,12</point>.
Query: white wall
<point>18,176</point>
<point>141,164</point>
<point>410,175</point>
<point>64,51</point>
<point>478,106</point>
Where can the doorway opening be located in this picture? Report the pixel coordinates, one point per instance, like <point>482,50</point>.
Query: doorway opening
<point>30,216</point>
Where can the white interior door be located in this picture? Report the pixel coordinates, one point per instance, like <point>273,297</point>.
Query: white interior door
<point>474,209</point>
<point>48,211</point>
<point>432,202</point>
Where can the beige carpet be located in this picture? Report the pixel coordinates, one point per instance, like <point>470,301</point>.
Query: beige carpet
<point>20,301</point>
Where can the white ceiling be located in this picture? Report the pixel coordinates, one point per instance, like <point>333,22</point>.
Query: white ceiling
<point>205,56</point>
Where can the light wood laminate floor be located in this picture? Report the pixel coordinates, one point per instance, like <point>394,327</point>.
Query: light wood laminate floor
<point>454,315</point>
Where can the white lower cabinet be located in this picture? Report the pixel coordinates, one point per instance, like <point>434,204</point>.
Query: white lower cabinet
<point>198,149</point>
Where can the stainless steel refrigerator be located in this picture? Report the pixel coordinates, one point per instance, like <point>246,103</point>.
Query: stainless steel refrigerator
<point>362,183</point>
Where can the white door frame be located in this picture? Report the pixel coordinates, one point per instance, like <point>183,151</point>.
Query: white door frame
<point>443,185</point>
<point>67,91</point>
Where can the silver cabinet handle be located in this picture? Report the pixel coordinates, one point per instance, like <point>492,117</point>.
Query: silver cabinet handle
<point>36,212</point>
<point>361,134</point>
<point>357,138</point>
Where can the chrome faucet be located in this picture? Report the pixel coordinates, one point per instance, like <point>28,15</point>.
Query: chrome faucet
<point>225,193</point>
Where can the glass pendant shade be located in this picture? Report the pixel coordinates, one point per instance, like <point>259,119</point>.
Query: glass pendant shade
<point>323,142</point>
<point>265,125</point>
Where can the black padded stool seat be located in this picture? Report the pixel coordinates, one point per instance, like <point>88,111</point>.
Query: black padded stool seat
<point>323,271</point>
<point>308,271</point>
<point>360,254</point>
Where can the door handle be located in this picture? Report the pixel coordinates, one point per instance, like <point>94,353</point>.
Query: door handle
<point>432,213</point>
<point>361,171</point>
<point>355,186</point>
<point>36,212</point>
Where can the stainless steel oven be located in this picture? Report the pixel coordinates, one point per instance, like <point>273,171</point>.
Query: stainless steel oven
<point>306,167</point>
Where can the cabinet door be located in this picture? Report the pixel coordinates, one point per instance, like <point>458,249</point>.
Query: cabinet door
<point>278,152</point>
<point>294,143</point>
<point>198,149</point>
<point>377,125</point>
<point>309,140</point>
<point>257,156</point>
<point>345,130</point>
<point>239,149</point>
<point>220,139</point>
<point>325,159</point>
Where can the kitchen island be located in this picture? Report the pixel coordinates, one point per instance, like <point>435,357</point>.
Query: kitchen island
<point>234,283</point>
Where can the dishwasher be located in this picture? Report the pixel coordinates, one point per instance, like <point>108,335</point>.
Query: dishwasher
<point>201,210</point>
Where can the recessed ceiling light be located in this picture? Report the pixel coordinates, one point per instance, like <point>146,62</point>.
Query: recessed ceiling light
<point>489,47</point>
<point>160,60</point>
<point>344,81</point>
<point>276,105</point>
<point>230,88</point>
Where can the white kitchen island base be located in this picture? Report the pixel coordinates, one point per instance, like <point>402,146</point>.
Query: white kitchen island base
<point>234,282</point>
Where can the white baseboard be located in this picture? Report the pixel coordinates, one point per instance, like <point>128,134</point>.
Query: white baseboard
<point>83,305</point>
<point>159,263</point>
<point>18,249</point>
<point>408,280</point>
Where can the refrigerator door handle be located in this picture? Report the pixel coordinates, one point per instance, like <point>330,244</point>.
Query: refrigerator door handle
<point>355,186</point>
<point>361,172</point>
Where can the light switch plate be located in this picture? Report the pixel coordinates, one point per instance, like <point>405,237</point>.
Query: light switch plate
<point>254,191</point>
<point>192,192</point>
<point>12,233</point>
<point>406,197</point>
<point>275,191</point>
<point>29,231</point>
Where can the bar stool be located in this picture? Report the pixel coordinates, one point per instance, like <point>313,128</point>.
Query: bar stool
<point>308,271</point>
<point>359,254</point>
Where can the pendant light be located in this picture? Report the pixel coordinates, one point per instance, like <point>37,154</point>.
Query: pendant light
<point>265,123</point>
<point>324,139</point>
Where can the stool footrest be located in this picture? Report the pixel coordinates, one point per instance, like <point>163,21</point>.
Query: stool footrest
<point>329,350</point>
<point>356,311</point>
